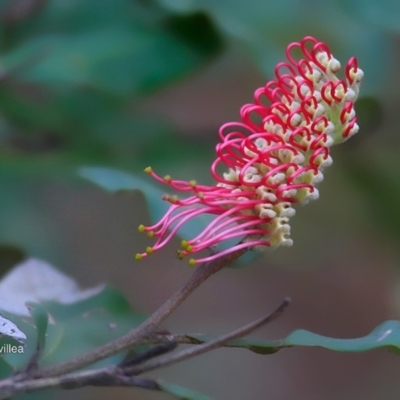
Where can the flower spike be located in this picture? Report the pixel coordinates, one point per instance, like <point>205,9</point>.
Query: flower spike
<point>271,165</point>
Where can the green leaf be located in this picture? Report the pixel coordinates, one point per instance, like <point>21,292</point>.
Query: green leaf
<point>80,319</point>
<point>41,318</point>
<point>72,69</point>
<point>385,335</point>
<point>85,126</point>
<point>87,324</point>
<point>76,328</point>
<point>80,16</point>
<point>114,181</point>
<point>180,392</point>
<point>121,56</point>
<point>109,59</point>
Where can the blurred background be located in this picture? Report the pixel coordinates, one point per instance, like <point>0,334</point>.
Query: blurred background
<point>126,84</point>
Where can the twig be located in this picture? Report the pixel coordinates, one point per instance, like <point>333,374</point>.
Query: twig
<point>200,349</point>
<point>156,351</point>
<point>196,339</point>
<point>121,375</point>
<point>123,343</point>
<point>101,377</point>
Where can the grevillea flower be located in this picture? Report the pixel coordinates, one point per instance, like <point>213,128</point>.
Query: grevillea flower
<point>271,160</point>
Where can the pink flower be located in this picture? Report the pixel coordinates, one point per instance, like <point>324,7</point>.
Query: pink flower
<point>271,160</point>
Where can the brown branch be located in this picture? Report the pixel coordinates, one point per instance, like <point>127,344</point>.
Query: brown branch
<point>205,347</point>
<point>100,377</point>
<point>122,375</point>
<point>134,336</point>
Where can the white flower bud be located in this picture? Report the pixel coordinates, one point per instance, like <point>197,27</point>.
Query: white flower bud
<point>251,178</point>
<point>261,143</point>
<point>289,193</point>
<point>353,131</point>
<point>276,179</point>
<point>231,175</point>
<point>323,58</point>
<point>350,95</point>
<point>280,239</point>
<point>265,211</point>
<point>266,194</point>
<point>323,162</point>
<point>284,209</point>
<point>333,65</point>
<point>298,159</point>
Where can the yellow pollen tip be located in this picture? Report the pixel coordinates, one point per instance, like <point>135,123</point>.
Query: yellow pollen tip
<point>189,248</point>
<point>200,195</point>
<point>149,250</point>
<point>184,244</point>
<point>173,199</point>
<point>148,170</point>
<point>141,228</point>
<point>150,234</point>
<point>167,178</point>
<point>192,183</point>
<point>138,257</point>
<point>192,262</point>
<point>180,254</point>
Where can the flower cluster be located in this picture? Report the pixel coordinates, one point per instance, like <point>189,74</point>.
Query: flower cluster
<point>271,160</point>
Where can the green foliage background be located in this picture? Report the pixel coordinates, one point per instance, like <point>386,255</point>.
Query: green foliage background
<point>125,84</point>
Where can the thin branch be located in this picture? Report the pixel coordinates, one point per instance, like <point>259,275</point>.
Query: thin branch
<point>134,336</point>
<point>196,339</point>
<point>205,347</point>
<point>121,375</point>
<point>156,351</point>
<point>100,377</point>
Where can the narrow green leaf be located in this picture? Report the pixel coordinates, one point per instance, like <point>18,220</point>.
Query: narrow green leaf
<point>385,335</point>
<point>180,392</point>
<point>41,318</point>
